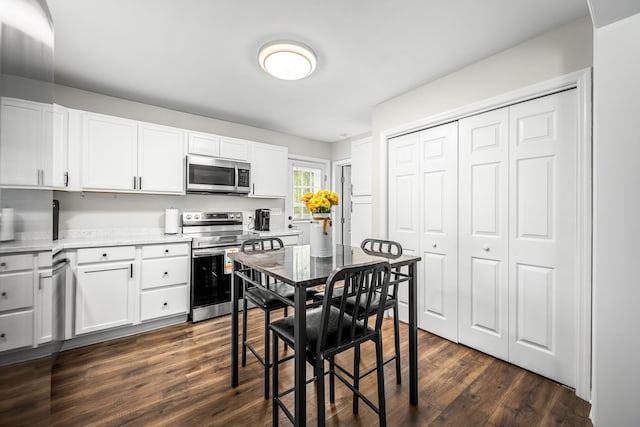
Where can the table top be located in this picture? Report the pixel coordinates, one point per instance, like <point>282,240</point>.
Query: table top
<point>295,265</point>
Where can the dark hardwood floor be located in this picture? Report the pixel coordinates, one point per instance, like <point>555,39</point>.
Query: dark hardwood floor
<point>180,376</point>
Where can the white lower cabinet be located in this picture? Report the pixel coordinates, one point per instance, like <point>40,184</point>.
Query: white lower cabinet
<point>16,301</point>
<point>104,296</point>
<point>164,280</point>
<point>164,302</point>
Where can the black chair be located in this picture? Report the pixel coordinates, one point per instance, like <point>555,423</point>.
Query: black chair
<point>331,330</point>
<point>389,249</point>
<point>253,286</point>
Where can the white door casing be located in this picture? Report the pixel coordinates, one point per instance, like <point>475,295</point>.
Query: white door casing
<point>483,236</point>
<point>543,236</point>
<point>438,292</point>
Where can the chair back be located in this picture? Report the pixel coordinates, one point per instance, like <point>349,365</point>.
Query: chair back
<point>360,283</point>
<point>262,244</point>
<point>388,247</point>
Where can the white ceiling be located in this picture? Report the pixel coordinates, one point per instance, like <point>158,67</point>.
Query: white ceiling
<point>200,56</point>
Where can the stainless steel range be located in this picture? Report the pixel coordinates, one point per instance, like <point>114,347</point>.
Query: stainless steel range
<point>213,235</point>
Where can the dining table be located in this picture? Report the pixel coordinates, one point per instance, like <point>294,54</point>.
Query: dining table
<point>295,266</point>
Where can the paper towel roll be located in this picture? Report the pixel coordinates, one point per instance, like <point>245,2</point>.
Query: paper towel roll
<point>171,220</point>
<point>6,224</point>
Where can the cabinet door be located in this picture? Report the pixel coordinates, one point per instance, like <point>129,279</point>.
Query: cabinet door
<point>268,170</point>
<point>21,147</point>
<point>438,278</point>
<point>44,308</point>
<point>483,240</point>
<point>204,144</point>
<point>361,167</point>
<point>233,148</point>
<point>362,219</point>
<point>104,296</point>
<point>57,120</point>
<point>109,151</point>
<point>160,159</point>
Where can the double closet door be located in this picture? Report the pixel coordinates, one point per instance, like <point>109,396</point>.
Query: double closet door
<point>489,202</point>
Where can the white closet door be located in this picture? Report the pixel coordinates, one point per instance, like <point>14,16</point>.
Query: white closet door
<point>404,227</point>
<point>438,290</point>
<point>542,244</point>
<point>483,268</point>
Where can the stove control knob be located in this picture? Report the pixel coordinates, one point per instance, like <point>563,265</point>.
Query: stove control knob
<point>188,216</point>
<point>196,217</point>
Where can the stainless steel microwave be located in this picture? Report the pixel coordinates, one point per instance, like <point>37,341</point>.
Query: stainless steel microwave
<point>213,175</point>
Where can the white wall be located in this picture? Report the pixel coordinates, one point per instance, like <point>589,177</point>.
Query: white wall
<point>105,211</point>
<point>90,101</point>
<point>616,224</point>
<point>552,54</point>
<point>341,150</point>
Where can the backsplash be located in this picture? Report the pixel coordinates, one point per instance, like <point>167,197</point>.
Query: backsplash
<point>33,217</point>
<point>95,214</point>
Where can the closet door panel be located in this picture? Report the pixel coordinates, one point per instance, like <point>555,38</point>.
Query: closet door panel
<point>543,240</point>
<point>483,232</point>
<point>438,275</point>
<point>404,210</point>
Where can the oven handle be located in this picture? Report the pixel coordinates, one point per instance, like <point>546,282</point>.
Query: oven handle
<point>201,253</point>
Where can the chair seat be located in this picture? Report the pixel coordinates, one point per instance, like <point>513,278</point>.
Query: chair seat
<point>284,328</point>
<point>267,301</point>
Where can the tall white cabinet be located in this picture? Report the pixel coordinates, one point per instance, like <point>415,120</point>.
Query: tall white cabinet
<point>489,203</point>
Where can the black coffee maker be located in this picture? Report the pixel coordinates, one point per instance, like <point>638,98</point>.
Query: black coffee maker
<point>262,219</point>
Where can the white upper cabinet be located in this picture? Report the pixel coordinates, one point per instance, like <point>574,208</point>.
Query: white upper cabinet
<point>160,159</point>
<point>23,161</point>
<point>58,117</point>
<point>234,148</point>
<point>361,167</point>
<point>268,170</point>
<point>109,153</point>
<point>124,155</point>
<point>204,144</point>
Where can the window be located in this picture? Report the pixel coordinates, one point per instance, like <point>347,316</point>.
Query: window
<point>305,177</point>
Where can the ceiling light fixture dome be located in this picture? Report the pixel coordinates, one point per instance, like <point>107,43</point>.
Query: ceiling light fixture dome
<point>287,60</point>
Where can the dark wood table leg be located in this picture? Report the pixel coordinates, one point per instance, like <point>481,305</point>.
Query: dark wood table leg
<point>235,291</point>
<point>413,335</point>
<point>300,334</point>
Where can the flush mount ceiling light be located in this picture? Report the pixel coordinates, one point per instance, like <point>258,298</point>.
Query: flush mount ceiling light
<point>287,60</point>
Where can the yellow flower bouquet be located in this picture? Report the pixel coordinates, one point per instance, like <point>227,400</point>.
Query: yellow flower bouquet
<point>320,201</point>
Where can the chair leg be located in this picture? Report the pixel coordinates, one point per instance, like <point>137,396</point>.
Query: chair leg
<point>356,376</point>
<point>396,332</point>
<point>267,319</point>
<point>332,380</point>
<point>274,402</point>
<point>380,371</point>
<point>286,314</point>
<point>244,330</point>
<point>320,391</point>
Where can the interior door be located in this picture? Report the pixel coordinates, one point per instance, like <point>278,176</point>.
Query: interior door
<point>404,212</point>
<point>483,238</point>
<point>542,243</point>
<point>438,298</point>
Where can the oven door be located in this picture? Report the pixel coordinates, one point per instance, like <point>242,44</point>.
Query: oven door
<point>210,284</point>
<point>208,174</point>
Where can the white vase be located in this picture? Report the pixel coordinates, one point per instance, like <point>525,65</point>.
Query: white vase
<point>321,236</point>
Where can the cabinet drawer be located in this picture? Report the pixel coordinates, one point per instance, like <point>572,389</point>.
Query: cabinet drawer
<point>16,291</point>
<point>16,330</point>
<point>16,262</point>
<point>164,272</point>
<point>113,253</point>
<point>163,302</point>
<point>160,251</point>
